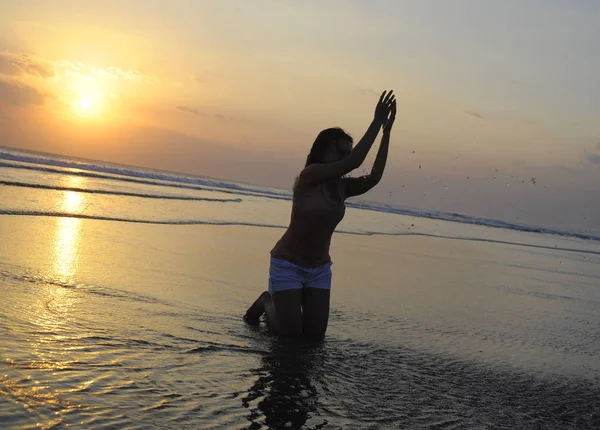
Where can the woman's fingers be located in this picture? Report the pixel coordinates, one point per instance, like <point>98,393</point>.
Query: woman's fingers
<point>382,96</point>
<point>384,105</point>
<point>390,121</point>
<point>387,98</point>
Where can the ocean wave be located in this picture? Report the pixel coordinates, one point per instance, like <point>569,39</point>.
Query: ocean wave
<point>116,193</point>
<point>85,174</point>
<point>250,224</point>
<point>149,177</point>
<point>467,219</point>
<point>132,220</point>
<point>130,172</point>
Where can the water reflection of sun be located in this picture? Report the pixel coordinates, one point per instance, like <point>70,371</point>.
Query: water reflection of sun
<point>67,238</point>
<point>66,248</point>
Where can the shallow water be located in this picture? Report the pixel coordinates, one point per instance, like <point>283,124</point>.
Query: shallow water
<point>129,325</point>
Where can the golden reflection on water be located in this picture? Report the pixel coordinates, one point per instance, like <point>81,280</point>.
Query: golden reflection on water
<point>67,238</point>
<point>72,202</point>
<point>66,248</point>
<point>52,341</point>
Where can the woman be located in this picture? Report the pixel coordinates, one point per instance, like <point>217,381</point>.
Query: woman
<point>297,301</point>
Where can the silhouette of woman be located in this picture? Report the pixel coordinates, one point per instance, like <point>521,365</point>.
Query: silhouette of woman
<point>297,300</point>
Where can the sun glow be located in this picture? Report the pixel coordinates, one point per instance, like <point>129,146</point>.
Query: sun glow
<point>86,103</point>
<point>89,105</point>
<point>88,95</point>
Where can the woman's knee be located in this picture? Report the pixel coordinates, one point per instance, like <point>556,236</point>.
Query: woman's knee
<point>315,328</point>
<point>291,329</point>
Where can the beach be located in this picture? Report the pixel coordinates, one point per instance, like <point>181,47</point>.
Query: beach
<point>123,296</point>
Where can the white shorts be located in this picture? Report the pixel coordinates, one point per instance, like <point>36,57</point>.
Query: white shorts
<point>285,275</point>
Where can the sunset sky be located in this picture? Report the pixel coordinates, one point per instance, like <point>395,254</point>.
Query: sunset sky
<point>491,95</point>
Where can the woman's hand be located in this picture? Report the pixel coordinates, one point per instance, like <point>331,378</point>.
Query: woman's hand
<point>382,110</point>
<point>387,128</point>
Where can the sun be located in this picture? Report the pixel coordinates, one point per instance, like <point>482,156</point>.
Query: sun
<point>86,103</point>
<point>89,105</point>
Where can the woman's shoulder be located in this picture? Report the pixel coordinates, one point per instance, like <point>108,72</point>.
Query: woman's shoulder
<point>302,185</point>
<point>304,190</point>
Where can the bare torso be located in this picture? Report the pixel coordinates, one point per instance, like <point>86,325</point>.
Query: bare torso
<point>317,209</point>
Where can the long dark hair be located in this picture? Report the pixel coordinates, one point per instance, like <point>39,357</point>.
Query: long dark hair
<point>324,140</point>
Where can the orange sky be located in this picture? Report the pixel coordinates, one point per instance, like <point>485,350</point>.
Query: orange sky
<point>238,90</point>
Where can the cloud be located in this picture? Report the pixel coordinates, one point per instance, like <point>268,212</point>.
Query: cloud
<point>18,64</point>
<point>474,114</point>
<point>593,158</point>
<point>199,79</point>
<point>107,73</point>
<point>223,117</point>
<point>189,110</point>
<point>128,75</point>
<point>593,155</point>
<point>369,92</point>
<point>14,64</point>
<point>194,111</point>
<point>15,94</point>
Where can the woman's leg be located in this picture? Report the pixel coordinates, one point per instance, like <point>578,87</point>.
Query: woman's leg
<point>282,304</point>
<point>315,311</point>
<point>283,311</point>
<point>315,301</point>
<point>255,311</point>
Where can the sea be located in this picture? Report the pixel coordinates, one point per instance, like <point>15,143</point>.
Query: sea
<point>123,291</point>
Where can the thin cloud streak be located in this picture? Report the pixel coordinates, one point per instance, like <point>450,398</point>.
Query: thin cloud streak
<point>474,115</point>
<point>189,110</point>
<point>195,111</point>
